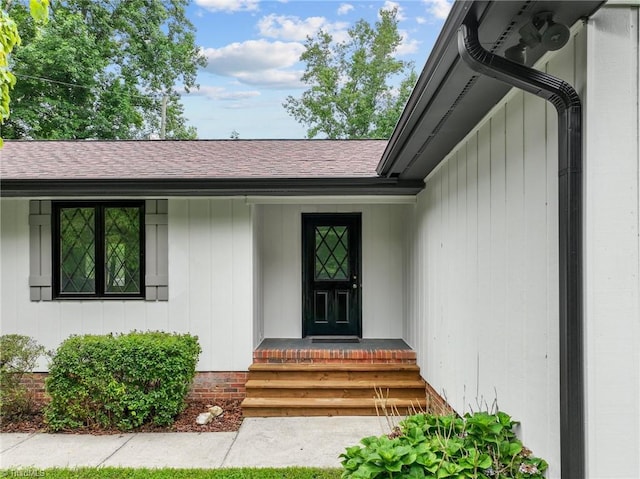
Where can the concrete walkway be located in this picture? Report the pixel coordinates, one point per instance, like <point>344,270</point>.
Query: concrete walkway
<point>260,442</point>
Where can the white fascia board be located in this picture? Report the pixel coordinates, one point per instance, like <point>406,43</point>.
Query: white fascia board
<point>623,3</point>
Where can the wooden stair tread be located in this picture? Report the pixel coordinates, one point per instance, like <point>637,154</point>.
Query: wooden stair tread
<point>330,402</point>
<point>333,388</point>
<point>326,411</point>
<point>332,384</point>
<point>333,367</point>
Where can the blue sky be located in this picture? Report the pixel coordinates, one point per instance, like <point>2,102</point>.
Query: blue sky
<point>253,47</point>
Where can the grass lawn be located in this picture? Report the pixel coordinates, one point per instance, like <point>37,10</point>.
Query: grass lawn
<point>128,473</point>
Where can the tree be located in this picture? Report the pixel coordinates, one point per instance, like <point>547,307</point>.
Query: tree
<point>9,38</point>
<point>351,92</point>
<point>100,69</point>
<point>64,104</point>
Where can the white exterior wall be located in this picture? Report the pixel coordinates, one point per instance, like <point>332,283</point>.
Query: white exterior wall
<point>483,295</point>
<point>258,290</point>
<point>383,268</point>
<point>210,285</point>
<point>612,245</point>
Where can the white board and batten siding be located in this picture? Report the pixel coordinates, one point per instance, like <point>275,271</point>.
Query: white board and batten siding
<point>235,272</point>
<point>210,285</point>
<point>482,305</point>
<point>258,290</point>
<point>612,242</point>
<point>383,266</point>
<point>211,271</point>
<point>483,289</point>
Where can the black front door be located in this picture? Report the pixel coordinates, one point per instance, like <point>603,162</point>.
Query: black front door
<point>331,294</point>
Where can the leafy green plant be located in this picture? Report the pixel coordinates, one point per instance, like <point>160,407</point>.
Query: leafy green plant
<point>480,446</point>
<point>9,39</point>
<point>18,356</point>
<point>120,381</point>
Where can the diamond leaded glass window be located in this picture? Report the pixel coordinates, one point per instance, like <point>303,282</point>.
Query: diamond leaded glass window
<point>332,253</point>
<point>77,250</point>
<point>99,249</point>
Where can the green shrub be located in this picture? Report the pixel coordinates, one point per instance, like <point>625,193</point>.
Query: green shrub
<point>479,446</point>
<point>120,381</point>
<point>18,356</point>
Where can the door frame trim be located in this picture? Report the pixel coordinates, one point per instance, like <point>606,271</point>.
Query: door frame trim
<point>357,216</point>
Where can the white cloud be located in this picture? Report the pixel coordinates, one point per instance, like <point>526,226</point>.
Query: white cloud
<point>344,8</point>
<point>389,5</point>
<point>220,93</point>
<point>438,8</point>
<point>276,79</point>
<point>228,5</point>
<point>257,62</point>
<point>252,55</point>
<point>407,46</point>
<point>293,28</point>
<point>289,27</point>
<point>421,20</point>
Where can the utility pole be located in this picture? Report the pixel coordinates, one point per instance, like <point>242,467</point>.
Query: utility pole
<point>163,118</point>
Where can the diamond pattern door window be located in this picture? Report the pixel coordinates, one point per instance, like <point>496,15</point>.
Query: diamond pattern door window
<point>99,250</point>
<point>331,253</point>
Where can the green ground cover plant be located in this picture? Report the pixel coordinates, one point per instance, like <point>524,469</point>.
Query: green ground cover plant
<point>18,356</point>
<point>481,445</point>
<point>120,381</point>
<point>128,473</point>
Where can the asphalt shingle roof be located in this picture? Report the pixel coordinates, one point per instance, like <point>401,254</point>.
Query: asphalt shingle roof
<point>95,159</point>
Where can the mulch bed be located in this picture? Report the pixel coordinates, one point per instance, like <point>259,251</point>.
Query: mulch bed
<point>230,420</point>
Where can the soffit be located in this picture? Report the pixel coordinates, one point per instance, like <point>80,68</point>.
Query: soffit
<point>450,99</point>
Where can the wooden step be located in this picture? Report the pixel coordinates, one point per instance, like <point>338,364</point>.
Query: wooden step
<point>332,384</point>
<point>376,372</point>
<point>409,389</point>
<point>333,389</point>
<point>334,367</point>
<point>265,407</point>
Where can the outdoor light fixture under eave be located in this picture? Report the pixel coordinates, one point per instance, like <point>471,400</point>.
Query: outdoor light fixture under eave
<point>517,53</point>
<point>541,30</point>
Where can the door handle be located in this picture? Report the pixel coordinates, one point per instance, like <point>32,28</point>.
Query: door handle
<point>354,286</point>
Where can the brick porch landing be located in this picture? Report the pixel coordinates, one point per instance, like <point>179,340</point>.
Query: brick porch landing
<point>307,350</point>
